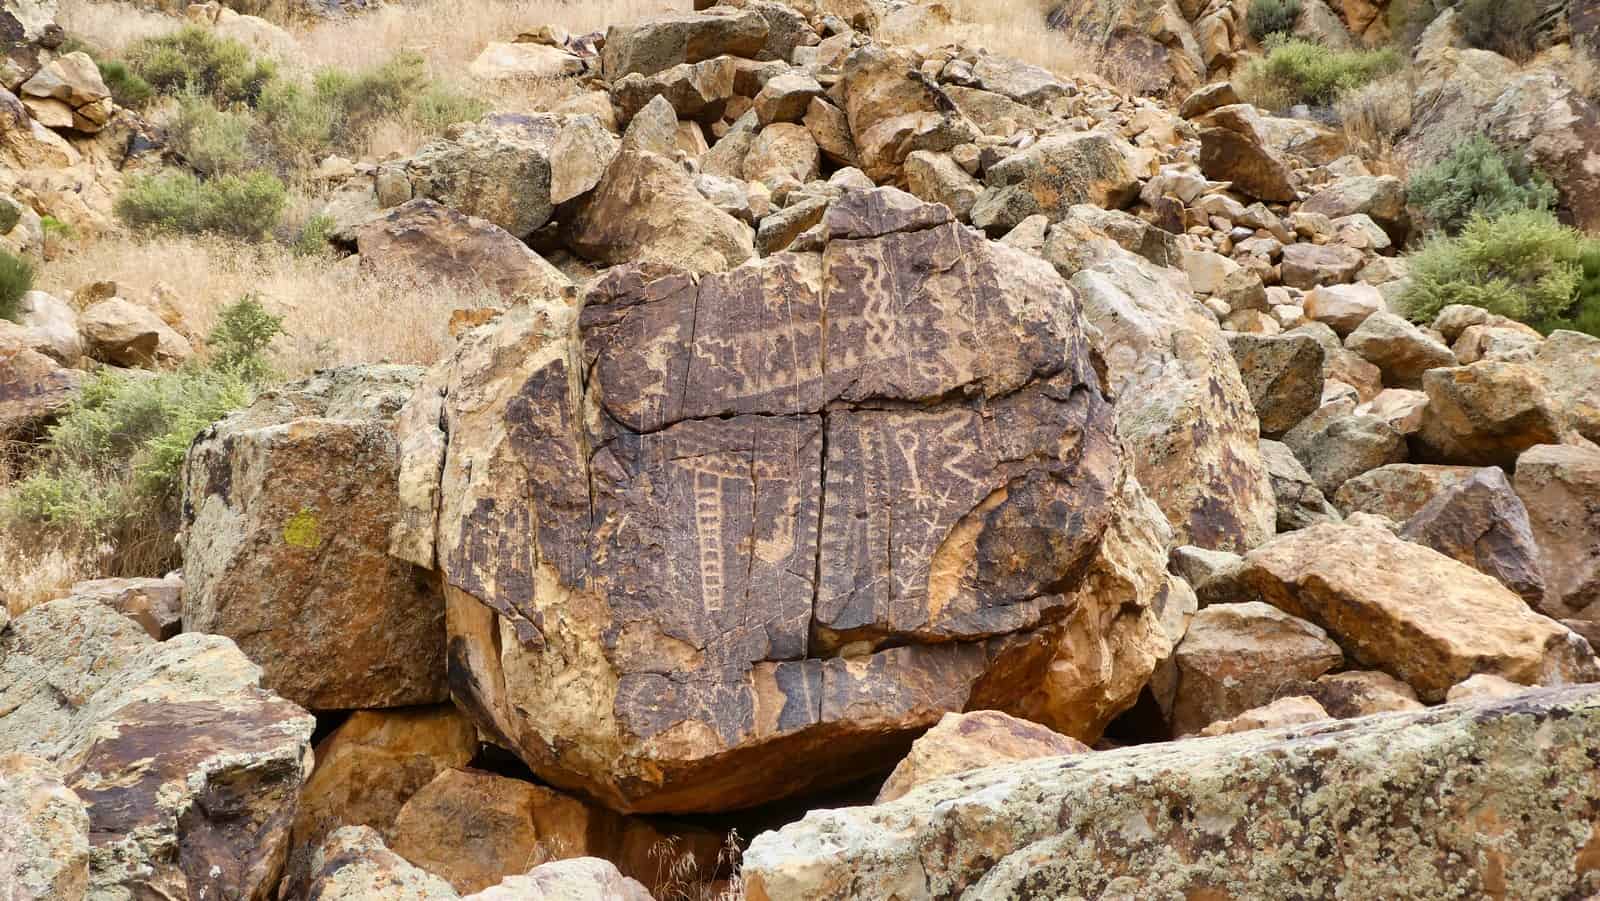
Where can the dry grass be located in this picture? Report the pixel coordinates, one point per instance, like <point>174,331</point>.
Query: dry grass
<point>452,34</point>
<point>1582,69</point>
<point>112,27</point>
<point>1016,28</point>
<point>32,575</point>
<point>1376,115</point>
<point>334,313</point>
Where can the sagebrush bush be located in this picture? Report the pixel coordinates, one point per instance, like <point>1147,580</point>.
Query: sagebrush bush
<point>195,60</point>
<point>110,466</point>
<point>1508,27</point>
<point>243,206</point>
<point>1272,17</point>
<point>16,279</point>
<point>1477,178</point>
<point>314,236</point>
<point>127,88</point>
<point>1523,264</point>
<point>1304,72</point>
<point>212,141</point>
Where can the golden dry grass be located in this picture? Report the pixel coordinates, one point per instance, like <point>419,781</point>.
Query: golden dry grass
<point>1016,28</point>
<point>1376,115</point>
<point>111,27</point>
<point>452,34</point>
<point>31,576</point>
<point>334,313</point>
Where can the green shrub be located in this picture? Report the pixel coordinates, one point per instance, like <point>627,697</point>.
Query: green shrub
<point>110,466</point>
<point>1523,264</point>
<point>1272,17</point>
<point>1477,178</point>
<point>195,60</point>
<point>210,140</point>
<point>298,123</point>
<point>16,279</point>
<point>314,236</point>
<point>1303,72</point>
<point>1508,27</point>
<point>242,206</point>
<point>127,88</point>
<point>53,226</point>
<point>10,214</point>
<point>439,107</point>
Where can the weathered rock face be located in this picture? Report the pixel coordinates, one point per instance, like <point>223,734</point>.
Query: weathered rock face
<point>1428,804</point>
<point>1234,147</point>
<point>1183,410</point>
<point>1288,711</point>
<point>1485,414</point>
<point>651,45</point>
<point>1560,484</point>
<point>367,769</point>
<point>1300,502</point>
<point>436,243</point>
<point>1283,374</point>
<point>44,849</point>
<point>155,604</point>
<point>1411,611</point>
<point>892,112</point>
<point>475,829</point>
<point>1359,693</point>
<point>1236,657</point>
<point>1337,445</point>
<point>827,493</point>
<point>1398,490</point>
<point>970,741</point>
<point>1483,523</point>
<point>1569,363</point>
<point>188,769</point>
<point>287,511</point>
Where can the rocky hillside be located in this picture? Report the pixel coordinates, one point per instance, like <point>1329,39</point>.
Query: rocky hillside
<point>847,449</point>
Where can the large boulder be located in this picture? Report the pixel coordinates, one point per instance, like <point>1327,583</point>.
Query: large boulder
<point>1300,502</point>
<point>646,207</point>
<point>971,741</point>
<point>1338,445</point>
<point>1431,804</point>
<point>475,828</point>
<point>1234,148</point>
<point>122,333</point>
<point>433,243</point>
<point>1411,611</point>
<point>44,853</point>
<point>497,170</point>
<point>1052,175</point>
<point>188,769</point>
<point>287,510</point>
<point>1569,364</point>
<point>1183,409</point>
<point>1560,485</point>
<point>1482,523</point>
<point>68,92</point>
<point>796,511</point>
<point>1398,490</point>
<point>1400,350</point>
<point>1236,657</point>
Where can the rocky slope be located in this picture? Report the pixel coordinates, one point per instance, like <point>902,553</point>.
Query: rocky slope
<point>856,418</point>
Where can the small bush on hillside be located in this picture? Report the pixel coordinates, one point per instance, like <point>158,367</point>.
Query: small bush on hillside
<point>242,206</point>
<point>1477,178</point>
<point>438,107</point>
<point>194,60</point>
<point>16,279</point>
<point>109,469</point>
<point>1508,27</point>
<point>1303,72</point>
<point>127,88</point>
<point>314,236</point>
<point>1524,264</point>
<point>212,141</point>
<point>1272,17</point>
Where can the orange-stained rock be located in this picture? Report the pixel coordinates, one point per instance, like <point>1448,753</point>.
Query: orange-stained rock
<point>368,768</point>
<point>475,828</point>
<point>969,741</point>
<point>1411,611</point>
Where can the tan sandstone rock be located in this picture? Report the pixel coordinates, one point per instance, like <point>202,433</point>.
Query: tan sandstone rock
<point>431,243</point>
<point>970,741</point>
<point>1560,484</point>
<point>1236,657</point>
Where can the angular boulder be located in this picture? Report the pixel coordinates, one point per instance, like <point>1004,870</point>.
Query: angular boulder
<point>430,242</point>
<point>829,494</point>
<point>1183,409</point>
<point>1398,490</point>
<point>287,510</point>
<point>652,45</point>
<point>1569,363</point>
<point>1411,611</point>
<point>1400,350</point>
<point>188,769</point>
<point>33,387</point>
<point>1482,523</point>
<point>1236,657</point>
<point>498,170</point>
<point>1052,175</point>
<point>1300,502</point>
<point>1283,374</point>
<point>44,853</point>
<point>1485,414</point>
<point>893,110</point>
